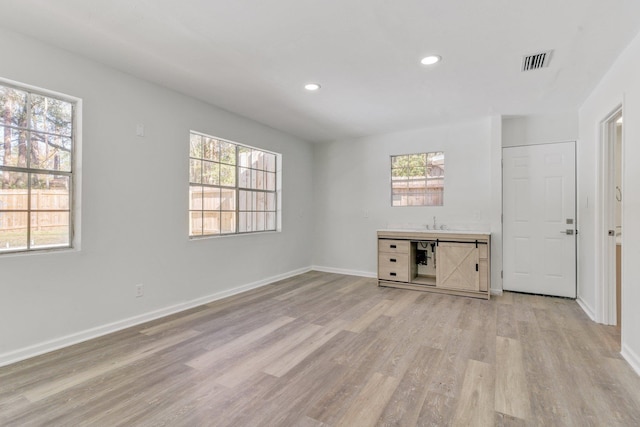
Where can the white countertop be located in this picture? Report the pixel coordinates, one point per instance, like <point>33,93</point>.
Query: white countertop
<point>424,230</point>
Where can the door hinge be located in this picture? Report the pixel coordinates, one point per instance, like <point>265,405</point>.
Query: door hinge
<point>501,274</point>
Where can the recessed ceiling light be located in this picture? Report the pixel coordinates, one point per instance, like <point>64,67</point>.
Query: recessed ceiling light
<point>430,60</point>
<point>312,86</point>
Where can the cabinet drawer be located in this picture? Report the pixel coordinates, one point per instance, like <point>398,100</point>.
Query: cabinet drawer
<point>394,246</point>
<point>399,261</point>
<point>393,267</point>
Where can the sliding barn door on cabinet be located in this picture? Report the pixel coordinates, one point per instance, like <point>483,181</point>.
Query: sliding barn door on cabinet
<point>458,266</point>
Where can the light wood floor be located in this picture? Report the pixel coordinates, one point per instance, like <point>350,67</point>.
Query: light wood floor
<point>330,350</point>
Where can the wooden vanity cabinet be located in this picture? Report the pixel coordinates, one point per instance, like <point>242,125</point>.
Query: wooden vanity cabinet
<point>462,262</point>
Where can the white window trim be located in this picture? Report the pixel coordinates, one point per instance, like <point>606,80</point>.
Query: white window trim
<point>237,188</point>
<point>75,217</point>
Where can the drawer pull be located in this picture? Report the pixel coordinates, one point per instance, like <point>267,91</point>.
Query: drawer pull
<point>392,260</point>
<point>392,274</point>
<point>392,246</point>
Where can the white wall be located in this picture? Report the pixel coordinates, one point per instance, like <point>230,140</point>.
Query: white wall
<point>539,129</point>
<point>134,210</point>
<point>621,85</point>
<point>352,190</point>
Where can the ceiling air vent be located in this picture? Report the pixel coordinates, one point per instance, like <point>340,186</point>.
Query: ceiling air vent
<point>537,60</point>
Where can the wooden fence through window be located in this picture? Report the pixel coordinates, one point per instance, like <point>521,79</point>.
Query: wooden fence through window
<point>42,203</point>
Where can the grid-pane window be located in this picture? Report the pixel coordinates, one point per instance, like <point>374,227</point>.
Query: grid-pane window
<point>417,179</point>
<point>232,187</point>
<point>36,170</point>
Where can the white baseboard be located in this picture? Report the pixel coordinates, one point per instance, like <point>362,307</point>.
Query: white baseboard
<point>345,271</point>
<point>88,334</point>
<point>496,292</point>
<point>586,308</point>
<point>631,357</point>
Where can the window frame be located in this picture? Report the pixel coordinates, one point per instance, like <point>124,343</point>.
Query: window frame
<point>425,177</point>
<point>73,174</point>
<point>237,189</point>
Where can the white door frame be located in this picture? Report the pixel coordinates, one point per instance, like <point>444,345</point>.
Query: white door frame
<point>606,310</point>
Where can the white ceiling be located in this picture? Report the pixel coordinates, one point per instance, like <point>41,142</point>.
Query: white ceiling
<point>253,57</point>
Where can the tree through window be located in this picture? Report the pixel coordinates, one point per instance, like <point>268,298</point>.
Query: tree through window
<point>417,179</point>
<point>36,170</point>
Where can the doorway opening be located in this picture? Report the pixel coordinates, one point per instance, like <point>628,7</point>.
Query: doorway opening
<point>612,229</point>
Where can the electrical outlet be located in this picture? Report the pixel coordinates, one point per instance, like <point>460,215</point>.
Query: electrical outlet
<point>139,290</point>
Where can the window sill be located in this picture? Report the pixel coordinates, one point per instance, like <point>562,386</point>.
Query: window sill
<point>221,236</point>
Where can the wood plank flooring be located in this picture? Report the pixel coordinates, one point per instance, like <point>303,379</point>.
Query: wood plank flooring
<point>324,349</point>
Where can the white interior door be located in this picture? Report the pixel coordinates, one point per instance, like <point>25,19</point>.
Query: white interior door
<point>539,222</point>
